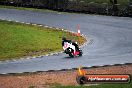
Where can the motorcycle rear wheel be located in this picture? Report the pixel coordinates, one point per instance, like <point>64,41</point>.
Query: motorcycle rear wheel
<point>80,53</point>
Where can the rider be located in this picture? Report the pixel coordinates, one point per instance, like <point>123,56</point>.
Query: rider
<point>69,41</point>
<point>76,46</point>
<point>65,40</point>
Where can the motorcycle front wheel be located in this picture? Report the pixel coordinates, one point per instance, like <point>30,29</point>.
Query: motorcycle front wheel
<point>71,55</point>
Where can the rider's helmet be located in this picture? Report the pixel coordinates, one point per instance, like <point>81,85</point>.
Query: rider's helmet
<point>63,38</point>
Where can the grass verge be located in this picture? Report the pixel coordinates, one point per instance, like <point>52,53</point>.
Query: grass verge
<point>21,40</point>
<point>29,9</point>
<point>120,85</point>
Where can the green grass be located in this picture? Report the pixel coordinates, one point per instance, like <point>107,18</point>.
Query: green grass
<point>121,85</point>
<point>23,8</point>
<point>21,40</point>
<point>30,9</point>
<point>31,87</point>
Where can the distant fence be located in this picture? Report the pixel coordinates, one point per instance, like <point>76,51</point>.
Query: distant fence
<point>73,6</point>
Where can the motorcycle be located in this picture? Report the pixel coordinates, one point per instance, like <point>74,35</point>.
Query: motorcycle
<point>70,49</point>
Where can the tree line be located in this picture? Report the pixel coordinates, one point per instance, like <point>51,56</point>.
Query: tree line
<point>74,6</point>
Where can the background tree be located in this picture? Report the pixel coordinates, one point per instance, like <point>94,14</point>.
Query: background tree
<point>114,7</point>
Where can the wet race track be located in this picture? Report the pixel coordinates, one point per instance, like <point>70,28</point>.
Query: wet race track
<point>110,40</point>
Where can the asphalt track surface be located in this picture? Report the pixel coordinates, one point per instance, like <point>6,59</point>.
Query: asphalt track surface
<point>110,40</point>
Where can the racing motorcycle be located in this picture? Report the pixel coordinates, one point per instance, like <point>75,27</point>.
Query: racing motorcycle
<point>70,48</point>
